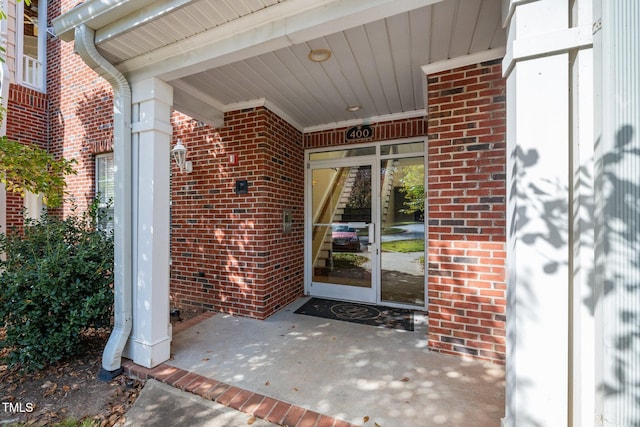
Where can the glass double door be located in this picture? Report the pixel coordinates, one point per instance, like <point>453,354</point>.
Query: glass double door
<point>366,235</point>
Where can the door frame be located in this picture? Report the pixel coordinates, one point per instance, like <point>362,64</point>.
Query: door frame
<point>375,161</point>
<point>328,290</point>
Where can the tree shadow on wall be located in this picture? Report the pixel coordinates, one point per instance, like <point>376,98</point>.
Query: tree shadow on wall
<point>617,274</point>
<point>606,216</point>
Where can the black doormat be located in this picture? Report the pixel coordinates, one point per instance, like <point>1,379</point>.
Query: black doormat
<point>395,318</point>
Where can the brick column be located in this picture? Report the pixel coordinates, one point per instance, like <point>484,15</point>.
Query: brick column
<point>466,202</point>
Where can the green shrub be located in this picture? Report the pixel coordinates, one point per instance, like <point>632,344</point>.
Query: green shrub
<point>56,281</point>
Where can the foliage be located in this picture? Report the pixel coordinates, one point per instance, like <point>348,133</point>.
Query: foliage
<point>404,246</point>
<point>390,231</point>
<point>360,195</point>
<point>347,260</point>
<point>75,423</point>
<point>29,168</point>
<point>56,281</point>
<point>413,188</point>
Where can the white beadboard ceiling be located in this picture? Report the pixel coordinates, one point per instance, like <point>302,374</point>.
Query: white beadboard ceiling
<point>225,54</point>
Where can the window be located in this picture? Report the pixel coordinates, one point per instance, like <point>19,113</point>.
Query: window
<point>105,181</point>
<point>31,43</point>
<point>33,205</point>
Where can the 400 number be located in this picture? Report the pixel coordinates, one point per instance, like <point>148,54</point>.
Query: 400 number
<point>359,132</point>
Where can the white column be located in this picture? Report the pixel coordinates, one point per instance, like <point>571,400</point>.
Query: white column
<point>543,148</point>
<point>4,99</point>
<point>149,343</point>
<point>582,299</point>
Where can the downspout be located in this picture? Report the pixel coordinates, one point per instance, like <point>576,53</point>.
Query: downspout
<point>112,354</point>
<point>4,101</point>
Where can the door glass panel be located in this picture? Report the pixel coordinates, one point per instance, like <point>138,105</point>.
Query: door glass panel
<point>403,233</point>
<point>341,154</point>
<point>406,148</point>
<point>341,200</point>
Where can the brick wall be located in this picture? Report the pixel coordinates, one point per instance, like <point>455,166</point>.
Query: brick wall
<point>466,203</point>
<point>80,113</point>
<point>14,211</point>
<point>383,131</point>
<point>27,116</point>
<point>27,112</point>
<point>228,250</point>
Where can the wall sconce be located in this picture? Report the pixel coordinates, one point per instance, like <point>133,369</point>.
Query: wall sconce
<point>180,155</point>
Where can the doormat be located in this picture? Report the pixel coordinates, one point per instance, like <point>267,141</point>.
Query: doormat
<point>394,318</point>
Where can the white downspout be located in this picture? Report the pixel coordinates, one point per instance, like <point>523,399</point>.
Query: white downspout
<point>4,100</point>
<point>112,355</point>
<point>4,94</point>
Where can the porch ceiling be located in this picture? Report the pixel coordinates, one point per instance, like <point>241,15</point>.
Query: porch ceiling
<point>221,55</point>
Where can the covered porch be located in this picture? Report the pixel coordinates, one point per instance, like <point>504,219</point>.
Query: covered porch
<point>571,333</point>
<point>355,373</point>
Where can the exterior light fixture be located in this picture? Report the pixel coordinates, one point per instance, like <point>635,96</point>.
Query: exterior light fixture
<point>319,55</point>
<point>180,155</point>
<point>353,108</point>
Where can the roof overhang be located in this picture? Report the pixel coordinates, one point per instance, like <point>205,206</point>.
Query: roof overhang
<point>218,56</point>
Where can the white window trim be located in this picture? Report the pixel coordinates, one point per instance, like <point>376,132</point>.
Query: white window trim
<point>96,179</point>
<point>42,46</point>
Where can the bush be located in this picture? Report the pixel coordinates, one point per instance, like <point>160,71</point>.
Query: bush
<point>56,281</point>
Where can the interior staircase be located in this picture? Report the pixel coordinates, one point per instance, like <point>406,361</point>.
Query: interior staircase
<point>338,198</point>
<point>347,180</point>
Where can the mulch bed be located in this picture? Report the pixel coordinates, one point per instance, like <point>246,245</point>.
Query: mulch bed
<point>69,389</point>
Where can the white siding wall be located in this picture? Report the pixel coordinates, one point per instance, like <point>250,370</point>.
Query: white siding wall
<point>617,68</point>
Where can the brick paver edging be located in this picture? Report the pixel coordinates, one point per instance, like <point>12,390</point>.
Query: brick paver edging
<point>256,404</point>
<point>260,406</point>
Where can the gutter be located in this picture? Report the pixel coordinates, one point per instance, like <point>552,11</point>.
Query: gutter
<point>112,354</point>
<point>95,14</point>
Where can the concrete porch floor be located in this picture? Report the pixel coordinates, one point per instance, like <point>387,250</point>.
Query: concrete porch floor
<point>357,373</point>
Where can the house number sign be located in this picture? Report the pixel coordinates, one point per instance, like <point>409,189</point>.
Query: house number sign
<point>359,132</point>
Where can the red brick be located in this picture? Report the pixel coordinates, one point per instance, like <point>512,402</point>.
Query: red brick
<point>475,165</point>
<point>265,407</point>
<point>201,385</point>
<point>163,371</point>
<point>216,391</point>
<point>230,394</point>
<point>293,416</point>
<point>173,379</point>
<point>325,421</point>
<point>240,399</point>
<point>278,412</point>
<point>186,380</point>
<point>252,403</point>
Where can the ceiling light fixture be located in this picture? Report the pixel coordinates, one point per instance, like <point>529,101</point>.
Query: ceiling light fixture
<point>353,108</point>
<point>319,55</point>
